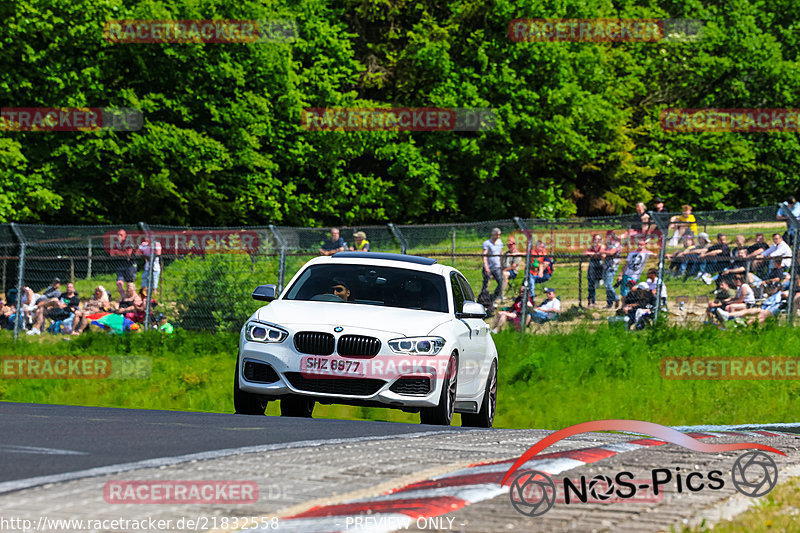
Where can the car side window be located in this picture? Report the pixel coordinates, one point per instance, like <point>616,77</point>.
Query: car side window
<point>466,289</point>
<point>458,294</point>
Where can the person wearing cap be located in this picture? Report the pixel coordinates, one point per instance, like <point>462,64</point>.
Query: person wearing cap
<point>362,244</point>
<point>658,204</point>
<point>639,303</point>
<point>549,309</point>
<point>339,288</point>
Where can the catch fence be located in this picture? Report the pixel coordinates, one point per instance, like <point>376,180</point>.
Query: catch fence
<point>205,275</point>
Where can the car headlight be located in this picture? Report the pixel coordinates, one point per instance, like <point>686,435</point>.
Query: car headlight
<point>260,332</point>
<point>417,345</point>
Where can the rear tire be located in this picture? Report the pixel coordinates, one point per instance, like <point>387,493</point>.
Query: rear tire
<point>485,417</point>
<point>442,414</point>
<point>246,403</point>
<point>297,406</point>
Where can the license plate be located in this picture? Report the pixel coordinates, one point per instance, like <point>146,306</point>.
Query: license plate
<point>336,367</point>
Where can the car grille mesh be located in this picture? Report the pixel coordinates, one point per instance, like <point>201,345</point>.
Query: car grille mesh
<point>412,386</point>
<point>328,385</point>
<point>358,345</point>
<point>314,342</point>
<point>259,372</point>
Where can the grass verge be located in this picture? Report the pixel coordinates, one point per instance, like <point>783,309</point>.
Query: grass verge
<point>546,381</point>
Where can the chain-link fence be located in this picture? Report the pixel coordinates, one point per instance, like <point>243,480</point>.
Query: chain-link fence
<point>707,267</point>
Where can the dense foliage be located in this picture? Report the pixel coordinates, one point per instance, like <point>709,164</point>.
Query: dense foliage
<point>577,123</point>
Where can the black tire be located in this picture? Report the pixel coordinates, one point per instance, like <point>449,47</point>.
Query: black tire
<point>485,417</point>
<point>246,403</point>
<point>298,406</point>
<point>442,414</point>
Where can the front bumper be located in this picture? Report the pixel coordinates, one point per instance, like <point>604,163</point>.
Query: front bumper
<point>386,379</point>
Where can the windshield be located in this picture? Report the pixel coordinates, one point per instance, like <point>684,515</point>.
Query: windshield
<point>371,285</point>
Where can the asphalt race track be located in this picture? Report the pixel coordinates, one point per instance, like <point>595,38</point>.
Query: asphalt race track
<point>39,440</point>
<point>317,475</point>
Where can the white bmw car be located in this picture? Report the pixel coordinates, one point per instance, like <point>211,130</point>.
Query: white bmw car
<point>374,329</point>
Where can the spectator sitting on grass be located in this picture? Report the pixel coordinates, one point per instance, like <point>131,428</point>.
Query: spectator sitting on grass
<point>362,244</point>
<point>759,266</point>
<point>98,303</point>
<point>6,312</point>
<point>634,266</point>
<point>140,307</point>
<point>683,224</point>
<point>595,271</point>
<point>692,258</point>
<point>611,258</point>
<point>723,297</point>
<point>715,258</point>
<point>639,303</point>
<point>744,298</point>
<point>772,306</point>
<point>549,309</point>
<point>492,252</point>
<point>514,313</point>
<point>779,249</point>
<point>334,244</point>
<point>678,260</point>
<point>130,302</point>
<point>57,309</point>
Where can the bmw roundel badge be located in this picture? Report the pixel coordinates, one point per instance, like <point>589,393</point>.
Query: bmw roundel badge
<point>337,329</point>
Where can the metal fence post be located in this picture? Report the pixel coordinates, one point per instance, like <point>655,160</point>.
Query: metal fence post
<point>282,263</point>
<point>580,283</point>
<point>147,307</point>
<point>662,254</point>
<point>526,280</point>
<point>453,249</point>
<point>787,211</point>
<point>20,278</point>
<point>399,236</point>
<point>89,263</point>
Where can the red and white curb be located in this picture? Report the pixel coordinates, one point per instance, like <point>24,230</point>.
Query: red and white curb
<point>424,504</point>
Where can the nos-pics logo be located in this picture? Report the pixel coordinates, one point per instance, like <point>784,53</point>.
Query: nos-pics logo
<point>533,492</point>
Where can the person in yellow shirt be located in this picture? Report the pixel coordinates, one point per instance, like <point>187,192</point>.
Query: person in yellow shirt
<point>683,224</point>
<point>362,244</point>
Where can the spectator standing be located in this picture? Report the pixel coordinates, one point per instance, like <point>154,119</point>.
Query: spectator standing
<point>611,257</point>
<point>652,286</point>
<point>549,309</point>
<point>794,207</point>
<point>634,266</point>
<point>144,249</point>
<point>334,244</point>
<point>658,205</point>
<point>492,252</point>
<point>126,264</point>
<point>510,264</point>
<point>361,242</point>
<point>595,271</point>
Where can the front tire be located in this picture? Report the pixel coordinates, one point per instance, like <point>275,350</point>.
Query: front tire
<point>297,406</point>
<point>485,417</point>
<point>246,403</point>
<point>442,414</point>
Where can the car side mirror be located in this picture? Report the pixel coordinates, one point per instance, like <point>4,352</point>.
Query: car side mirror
<point>472,309</point>
<point>265,293</point>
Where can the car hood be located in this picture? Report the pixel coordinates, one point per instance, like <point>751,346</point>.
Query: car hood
<point>301,314</point>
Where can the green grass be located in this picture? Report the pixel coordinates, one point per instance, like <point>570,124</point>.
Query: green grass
<point>546,381</point>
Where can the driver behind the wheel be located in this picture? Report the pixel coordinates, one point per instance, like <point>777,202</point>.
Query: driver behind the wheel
<point>339,288</point>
